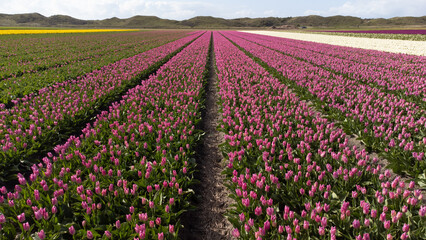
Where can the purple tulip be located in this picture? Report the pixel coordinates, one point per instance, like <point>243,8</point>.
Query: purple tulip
<point>236,233</point>
<point>21,217</point>
<point>171,228</point>
<point>160,236</point>
<point>356,224</point>
<point>71,230</point>
<point>26,226</point>
<point>41,234</point>
<point>89,235</point>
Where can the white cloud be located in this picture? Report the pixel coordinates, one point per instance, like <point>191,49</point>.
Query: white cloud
<point>312,12</point>
<point>84,9</point>
<point>269,13</point>
<point>377,8</point>
<point>164,9</point>
<point>242,13</point>
<point>101,9</point>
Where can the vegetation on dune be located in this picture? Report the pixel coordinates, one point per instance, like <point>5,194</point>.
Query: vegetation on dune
<point>312,21</point>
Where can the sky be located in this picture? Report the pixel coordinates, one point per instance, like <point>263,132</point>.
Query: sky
<point>185,9</point>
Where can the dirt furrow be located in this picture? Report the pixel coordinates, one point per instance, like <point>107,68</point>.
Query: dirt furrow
<point>207,221</point>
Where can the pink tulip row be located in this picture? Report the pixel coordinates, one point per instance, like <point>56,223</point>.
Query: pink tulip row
<point>36,122</point>
<point>128,175</point>
<point>408,64</point>
<point>70,57</point>
<point>401,76</point>
<point>293,174</point>
<point>385,123</point>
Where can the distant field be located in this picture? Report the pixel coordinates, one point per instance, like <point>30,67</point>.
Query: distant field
<point>8,31</point>
<point>387,45</point>
<point>400,34</point>
<point>399,31</point>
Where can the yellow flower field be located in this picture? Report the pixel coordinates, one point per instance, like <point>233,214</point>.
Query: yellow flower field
<point>43,31</point>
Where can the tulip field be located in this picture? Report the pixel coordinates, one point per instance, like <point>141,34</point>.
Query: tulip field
<point>29,64</point>
<point>100,135</point>
<point>385,107</point>
<point>43,31</point>
<point>401,34</point>
<point>399,31</point>
<point>413,44</point>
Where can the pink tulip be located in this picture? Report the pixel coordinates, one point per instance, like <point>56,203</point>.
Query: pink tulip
<point>71,230</point>
<point>41,234</point>
<point>236,233</point>
<point>26,226</point>
<point>89,235</point>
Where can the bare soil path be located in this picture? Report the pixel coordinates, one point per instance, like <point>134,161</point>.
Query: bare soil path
<point>211,195</point>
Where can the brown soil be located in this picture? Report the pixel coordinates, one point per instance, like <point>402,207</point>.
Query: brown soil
<point>207,221</point>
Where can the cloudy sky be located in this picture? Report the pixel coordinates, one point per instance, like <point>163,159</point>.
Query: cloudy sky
<point>184,9</point>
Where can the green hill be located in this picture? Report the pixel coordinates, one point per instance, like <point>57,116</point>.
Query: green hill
<point>314,21</point>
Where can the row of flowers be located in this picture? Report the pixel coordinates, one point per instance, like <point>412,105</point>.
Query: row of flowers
<point>29,64</point>
<point>292,173</point>
<point>29,55</point>
<point>50,31</point>
<point>128,175</point>
<point>393,31</point>
<point>402,75</point>
<point>385,123</point>
<point>372,57</point>
<point>38,122</point>
<point>386,45</point>
<point>412,35</point>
